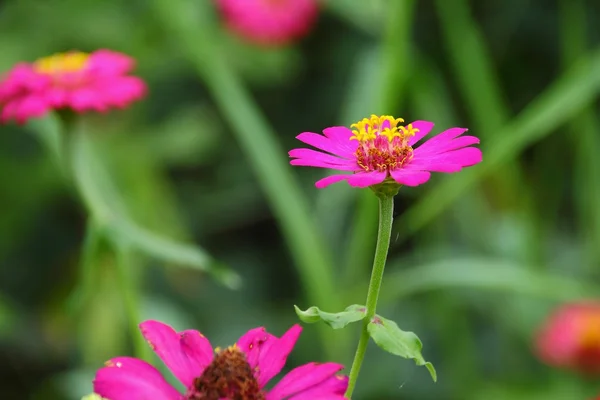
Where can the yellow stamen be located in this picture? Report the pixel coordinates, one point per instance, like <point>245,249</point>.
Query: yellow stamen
<point>385,125</point>
<point>73,61</point>
<point>408,130</point>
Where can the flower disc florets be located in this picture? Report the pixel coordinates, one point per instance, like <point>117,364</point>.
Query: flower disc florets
<point>383,144</point>
<point>228,376</point>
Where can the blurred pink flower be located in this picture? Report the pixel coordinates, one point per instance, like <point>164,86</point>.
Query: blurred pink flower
<point>379,149</point>
<point>269,22</point>
<point>570,338</point>
<point>238,372</point>
<point>76,80</point>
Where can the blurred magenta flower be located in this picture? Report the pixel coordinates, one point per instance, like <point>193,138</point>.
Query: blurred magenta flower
<point>75,80</point>
<point>238,372</point>
<point>379,149</point>
<point>570,338</point>
<point>269,22</point>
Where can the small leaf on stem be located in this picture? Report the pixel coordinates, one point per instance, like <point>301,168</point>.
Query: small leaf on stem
<point>392,339</point>
<point>339,320</point>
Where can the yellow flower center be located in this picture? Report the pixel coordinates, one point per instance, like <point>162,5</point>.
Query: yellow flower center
<point>61,63</point>
<point>385,125</point>
<point>383,143</point>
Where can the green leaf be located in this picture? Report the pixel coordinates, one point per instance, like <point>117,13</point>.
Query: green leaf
<point>339,320</point>
<point>171,251</point>
<point>483,273</point>
<point>106,206</point>
<point>394,340</point>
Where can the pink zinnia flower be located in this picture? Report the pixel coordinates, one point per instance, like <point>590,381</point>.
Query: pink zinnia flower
<point>76,80</point>
<point>380,150</point>
<point>239,372</point>
<point>571,337</point>
<point>269,22</point>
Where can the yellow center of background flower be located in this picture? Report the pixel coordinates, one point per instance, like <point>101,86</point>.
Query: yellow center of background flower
<point>61,63</point>
<point>590,332</point>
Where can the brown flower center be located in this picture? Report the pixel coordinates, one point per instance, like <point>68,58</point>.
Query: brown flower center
<point>229,376</point>
<point>382,155</point>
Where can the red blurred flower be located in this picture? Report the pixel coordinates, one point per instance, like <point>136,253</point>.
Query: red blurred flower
<point>571,337</point>
<point>269,22</point>
<point>75,80</point>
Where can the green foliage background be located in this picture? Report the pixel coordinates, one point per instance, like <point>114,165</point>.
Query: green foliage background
<point>200,172</point>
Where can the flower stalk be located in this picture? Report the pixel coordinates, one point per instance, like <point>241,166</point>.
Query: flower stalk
<point>386,211</point>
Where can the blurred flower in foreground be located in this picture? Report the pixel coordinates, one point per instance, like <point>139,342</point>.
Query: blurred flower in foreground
<point>237,372</point>
<point>76,80</point>
<point>379,149</point>
<point>269,22</point>
<point>571,337</point>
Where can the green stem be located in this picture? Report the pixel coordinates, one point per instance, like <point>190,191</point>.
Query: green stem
<point>130,295</point>
<point>87,272</point>
<point>386,210</point>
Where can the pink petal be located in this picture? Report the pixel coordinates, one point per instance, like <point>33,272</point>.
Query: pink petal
<point>252,339</point>
<point>185,353</point>
<point>31,106</point>
<point>109,63</point>
<point>323,183</point>
<point>444,137</point>
<point>433,167</point>
<point>85,99</point>
<point>120,91</point>
<point>309,154</point>
<point>267,352</point>
<point>441,147</point>
<point>331,389</point>
<point>305,377</point>
<point>424,128</point>
<point>57,97</point>
<point>465,157</point>
<point>341,135</point>
<point>365,179</point>
<point>126,378</point>
<point>323,143</point>
<point>303,162</point>
<point>9,110</point>
<point>410,178</point>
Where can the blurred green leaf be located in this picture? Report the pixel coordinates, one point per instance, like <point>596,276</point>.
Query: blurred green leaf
<point>106,206</point>
<point>584,133</point>
<point>484,274</point>
<point>473,66</point>
<point>394,340</point>
<point>339,320</point>
<point>365,15</point>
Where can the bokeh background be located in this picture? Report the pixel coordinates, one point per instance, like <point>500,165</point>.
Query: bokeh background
<point>199,171</point>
